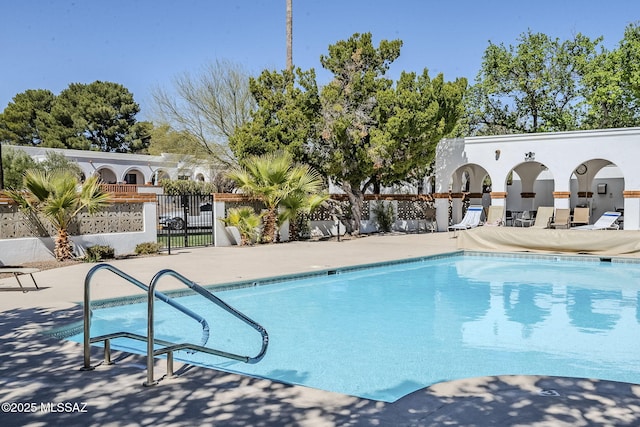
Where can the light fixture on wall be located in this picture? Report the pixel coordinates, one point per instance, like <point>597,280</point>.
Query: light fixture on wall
<point>497,154</point>
<point>530,156</point>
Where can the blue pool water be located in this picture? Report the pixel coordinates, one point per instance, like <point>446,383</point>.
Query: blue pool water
<point>384,332</point>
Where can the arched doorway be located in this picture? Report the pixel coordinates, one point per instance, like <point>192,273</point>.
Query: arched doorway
<point>529,185</point>
<point>133,176</point>
<point>107,176</point>
<point>470,185</point>
<point>598,184</point>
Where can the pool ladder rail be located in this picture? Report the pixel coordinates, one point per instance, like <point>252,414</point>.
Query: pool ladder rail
<point>167,347</point>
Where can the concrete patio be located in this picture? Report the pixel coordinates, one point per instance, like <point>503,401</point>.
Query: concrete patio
<point>39,373</point>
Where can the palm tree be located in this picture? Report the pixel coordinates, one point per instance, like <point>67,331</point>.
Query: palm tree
<point>55,195</point>
<point>271,178</point>
<point>296,205</point>
<point>246,221</point>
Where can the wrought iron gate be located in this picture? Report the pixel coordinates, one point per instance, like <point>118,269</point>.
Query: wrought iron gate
<point>185,220</point>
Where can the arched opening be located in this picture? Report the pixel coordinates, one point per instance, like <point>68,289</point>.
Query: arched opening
<point>470,185</point>
<point>160,175</point>
<point>529,185</point>
<point>598,184</point>
<point>133,176</point>
<point>107,176</point>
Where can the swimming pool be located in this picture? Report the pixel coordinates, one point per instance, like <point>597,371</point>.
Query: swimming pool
<point>382,332</point>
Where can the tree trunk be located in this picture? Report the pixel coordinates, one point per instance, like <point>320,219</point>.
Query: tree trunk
<point>293,229</point>
<point>356,201</point>
<point>269,226</point>
<point>63,249</point>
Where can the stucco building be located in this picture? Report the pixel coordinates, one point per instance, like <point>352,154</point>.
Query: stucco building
<point>124,168</point>
<point>598,169</point>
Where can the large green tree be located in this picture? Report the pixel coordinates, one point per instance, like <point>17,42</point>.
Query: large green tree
<point>630,59</point>
<point>95,116</point>
<point>346,150</point>
<point>412,118</point>
<point>22,120</point>
<point>99,116</point>
<point>533,86</point>
<point>611,85</point>
<point>286,118</point>
<point>375,133</point>
<point>361,130</point>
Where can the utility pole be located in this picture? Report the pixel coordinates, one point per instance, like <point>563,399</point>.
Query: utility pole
<point>1,170</point>
<point>289,35</point>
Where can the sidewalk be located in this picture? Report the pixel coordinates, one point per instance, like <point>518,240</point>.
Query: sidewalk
<point>40,375</point>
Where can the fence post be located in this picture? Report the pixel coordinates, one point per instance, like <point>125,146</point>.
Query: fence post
<point>169,240</point>
<point>185,213</point>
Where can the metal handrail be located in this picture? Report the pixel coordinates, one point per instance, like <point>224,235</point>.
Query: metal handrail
<point>136,282</point>
<point>151,352</point>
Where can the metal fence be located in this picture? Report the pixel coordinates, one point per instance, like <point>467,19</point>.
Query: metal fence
<point>185,220</point>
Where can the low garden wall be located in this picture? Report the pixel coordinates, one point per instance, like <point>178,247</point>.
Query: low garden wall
<point>408,209</point>
<point>133,219</point>
<point>130,220</point>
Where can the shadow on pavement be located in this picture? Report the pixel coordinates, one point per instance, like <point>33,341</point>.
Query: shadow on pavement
<point>44,371</point>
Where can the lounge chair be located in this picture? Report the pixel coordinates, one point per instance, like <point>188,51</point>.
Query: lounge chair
<point>495,216</point>
<point>580,217</point>
<point>561,219</point>
<point>17,271</point>
<point>606,222</point>
<point>430,220</point>
<point>543,217</point>
<point>525,219</point>
<point>471,219</point>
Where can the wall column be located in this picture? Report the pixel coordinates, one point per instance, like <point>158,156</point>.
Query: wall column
<point>631,209</point>
<point>498,198</point>
<point>526,205</point>
<point>442,210</point>
<point>456,207</point>
<point>561,199</point>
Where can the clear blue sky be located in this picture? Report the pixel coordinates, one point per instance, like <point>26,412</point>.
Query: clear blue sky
<point>48,44</point>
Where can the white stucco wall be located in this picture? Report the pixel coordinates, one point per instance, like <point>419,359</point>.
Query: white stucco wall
<point>19,251</point>
<point>558,154</point>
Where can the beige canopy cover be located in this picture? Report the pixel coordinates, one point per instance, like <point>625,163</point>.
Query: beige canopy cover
<point>515,239</point>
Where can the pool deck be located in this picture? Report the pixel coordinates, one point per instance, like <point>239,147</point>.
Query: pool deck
<point>40,375</point>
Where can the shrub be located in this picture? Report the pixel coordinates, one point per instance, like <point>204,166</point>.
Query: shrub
<point>98,253</point>
<point>246,221</point>
<point>179,187</point>
<point>385,216</point>
<point>147,248</point>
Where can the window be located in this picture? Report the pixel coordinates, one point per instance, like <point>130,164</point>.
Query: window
<point>131,178</point>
